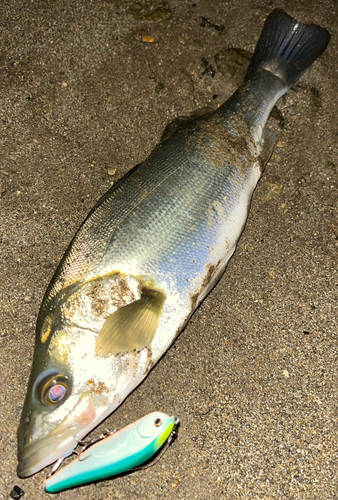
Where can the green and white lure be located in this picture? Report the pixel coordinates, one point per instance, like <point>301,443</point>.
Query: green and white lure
<point>120,452</point>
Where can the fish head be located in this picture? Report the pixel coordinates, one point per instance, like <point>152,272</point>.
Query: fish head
<point>64,398</point>
<point>85,364</point>
<point>70,391</point>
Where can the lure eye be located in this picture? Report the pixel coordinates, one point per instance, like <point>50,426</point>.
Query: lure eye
<point>157,422</point>
<point>54,390</point>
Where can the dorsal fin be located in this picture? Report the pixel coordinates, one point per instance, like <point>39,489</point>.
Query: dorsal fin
<point>132,326</point>
<point>175,125</point>
<point>180,121</point>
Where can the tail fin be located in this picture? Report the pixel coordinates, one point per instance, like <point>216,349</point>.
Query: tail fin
<point>287,48</point>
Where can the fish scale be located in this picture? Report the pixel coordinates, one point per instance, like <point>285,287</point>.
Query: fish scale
<point>186,220</point>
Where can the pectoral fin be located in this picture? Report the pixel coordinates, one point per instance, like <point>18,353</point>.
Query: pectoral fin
<point>132,326</point>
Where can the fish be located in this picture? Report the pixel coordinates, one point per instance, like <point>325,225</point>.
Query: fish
<point>120,452</point>
<point>150,251</point>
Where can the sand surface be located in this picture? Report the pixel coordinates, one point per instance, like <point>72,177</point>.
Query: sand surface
<point>254,375</point>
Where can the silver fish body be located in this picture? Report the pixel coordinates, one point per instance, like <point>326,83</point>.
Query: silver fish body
<point>148,254</point>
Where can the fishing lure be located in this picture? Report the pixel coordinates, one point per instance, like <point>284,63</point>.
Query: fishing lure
<point>120,452</point>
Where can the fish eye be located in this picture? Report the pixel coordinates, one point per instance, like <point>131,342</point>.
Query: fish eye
<point>53,389</point>
<point>157,422</point>
<point>56,393</point>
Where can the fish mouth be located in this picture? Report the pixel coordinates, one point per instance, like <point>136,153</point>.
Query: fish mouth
<point>35,455</point>
<point>40,454</point>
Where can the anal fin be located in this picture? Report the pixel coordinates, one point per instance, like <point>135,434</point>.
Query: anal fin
<point>132,326</point>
